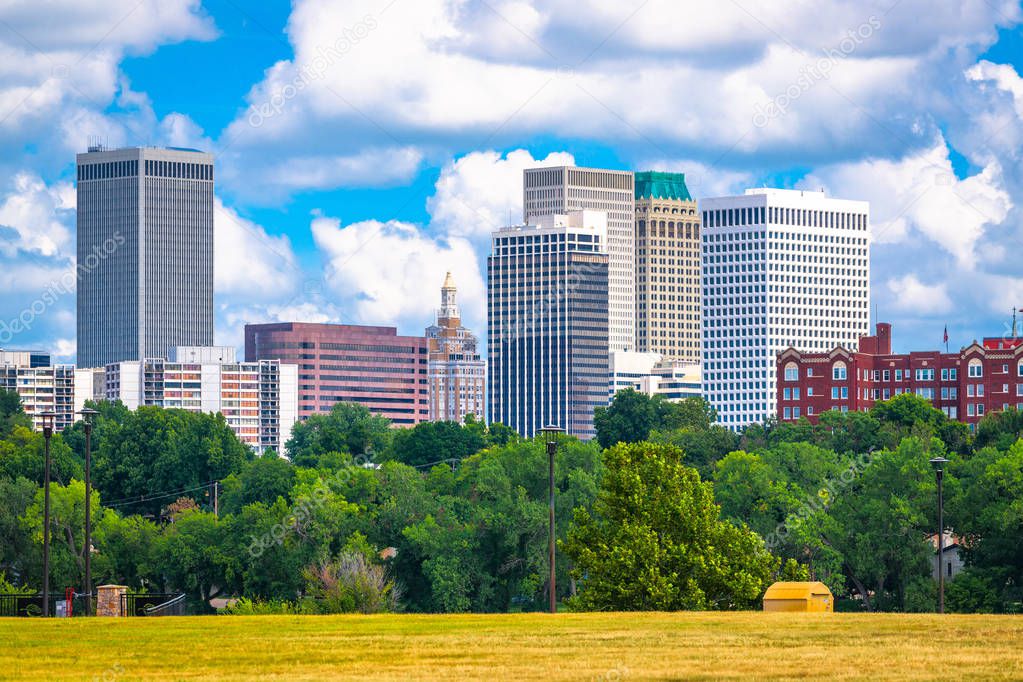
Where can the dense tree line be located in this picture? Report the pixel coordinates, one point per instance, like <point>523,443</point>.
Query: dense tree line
<point>665,510</point>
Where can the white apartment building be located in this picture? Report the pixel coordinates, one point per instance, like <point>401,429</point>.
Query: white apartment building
<point>652,374</point>
<point>44,387</point>
<point>559,190</point>
<point>259,400</point>
<point>781,268</point>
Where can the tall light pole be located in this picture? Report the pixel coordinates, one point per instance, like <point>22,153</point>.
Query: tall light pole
<point>939,471</point>
<point>88,414</point>
<point>48,418</point>
<point>551,434</point>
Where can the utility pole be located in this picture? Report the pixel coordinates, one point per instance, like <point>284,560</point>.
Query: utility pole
<point>551,439</point>
<point>47,418</point>
<point>87,417</point>
<point>216,499</point>
<point>939,470</point>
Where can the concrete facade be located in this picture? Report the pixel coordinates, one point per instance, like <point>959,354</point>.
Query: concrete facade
<point>145,253</point>
<point>457,372</point>
<point>668,276</point>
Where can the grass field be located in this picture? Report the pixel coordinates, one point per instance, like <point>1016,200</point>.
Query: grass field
<point>633,646</point>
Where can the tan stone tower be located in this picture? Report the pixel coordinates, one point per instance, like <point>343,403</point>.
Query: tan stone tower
<point>457,375</point>
<point>668,279</point>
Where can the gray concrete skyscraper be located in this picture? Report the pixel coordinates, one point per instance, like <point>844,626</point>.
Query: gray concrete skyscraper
<point>558,190</point>
<point>547,323</point>
<point>145,253</point>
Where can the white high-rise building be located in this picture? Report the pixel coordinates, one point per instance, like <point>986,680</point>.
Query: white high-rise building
<point>781,268</point>
<point>557,191</point>
<point>259,400</point>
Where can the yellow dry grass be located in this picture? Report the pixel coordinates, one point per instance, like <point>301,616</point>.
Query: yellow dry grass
<point>606,646</point>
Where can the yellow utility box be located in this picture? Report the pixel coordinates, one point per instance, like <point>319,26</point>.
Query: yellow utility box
<point>804,597</point>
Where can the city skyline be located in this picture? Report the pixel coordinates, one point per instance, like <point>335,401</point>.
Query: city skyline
<point>344,205</point>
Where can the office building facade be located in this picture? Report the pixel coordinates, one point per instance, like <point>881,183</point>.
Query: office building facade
<point>781,268</point>
<point>547,322</point>
<point>145,253</point>
<point>560,190</point>
<point>966,385</point>
<point>668,274</point>
<point>370,366</point>
<point>456,371</point>
<point>259,400</point>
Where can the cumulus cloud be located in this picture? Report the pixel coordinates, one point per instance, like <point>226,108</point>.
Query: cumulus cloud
<point>392,272</point>
<point>482,191</point>
<point>249,263</point>
<point>908,294</point>
<point>919,196</point>
<point>657,79</point>
<point>38,216</point>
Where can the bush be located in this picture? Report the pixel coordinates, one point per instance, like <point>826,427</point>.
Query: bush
<point>350,584</point>
<point>248,607</point>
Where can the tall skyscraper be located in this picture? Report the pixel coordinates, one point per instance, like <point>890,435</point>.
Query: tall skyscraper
<point>547,318</point>
<point>342,363</point>
<point>668,284</point>
<point>556,191</point>
<point>781,268</point>
<point>457,373</point>
<point>145,253</point>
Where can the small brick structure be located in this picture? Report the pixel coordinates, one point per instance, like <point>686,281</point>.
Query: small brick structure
<point>108,600</point>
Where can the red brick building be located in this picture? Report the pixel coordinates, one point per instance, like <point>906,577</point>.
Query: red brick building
<point>371,366</point>
<point>979,379</point>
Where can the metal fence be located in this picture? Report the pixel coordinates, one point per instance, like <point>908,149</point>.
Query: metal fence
<point>21,605</point>
<point>159,604</point>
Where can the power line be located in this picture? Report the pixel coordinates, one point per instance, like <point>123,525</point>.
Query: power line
<point>147,497</point>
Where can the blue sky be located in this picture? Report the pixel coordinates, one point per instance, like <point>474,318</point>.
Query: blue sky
<point>365,147</point>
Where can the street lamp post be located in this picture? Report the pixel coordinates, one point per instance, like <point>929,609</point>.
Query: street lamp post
<point>551,434</point>
<point>88,414</point>
<point>939,471</point>
<point>48,418</point>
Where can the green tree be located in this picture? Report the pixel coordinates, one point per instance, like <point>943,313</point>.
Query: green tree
<point>264,479</point>
<point>432,442</point>
<point>16,495</point>
<point>1000,429</point>
<point>655,540</point>
<point>348,427</point>
<point>11,413</point>
<point>23,453</point>
<point>628,419</point>
<point>190,556</point>
<point>158,455</point>
<point>879,520</point>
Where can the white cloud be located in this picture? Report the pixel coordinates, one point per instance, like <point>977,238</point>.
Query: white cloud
<point>482,191</point>
<point>61,64</point>
<point>919,195</point>
<point>392,272</point>
<point>657,79</point>
<point>249,263</point>
<point>703,181</point>
<point>908,294</point>
<point>41,216</point>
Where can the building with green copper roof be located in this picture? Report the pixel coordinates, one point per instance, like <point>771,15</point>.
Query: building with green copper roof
<point>660,185</point>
